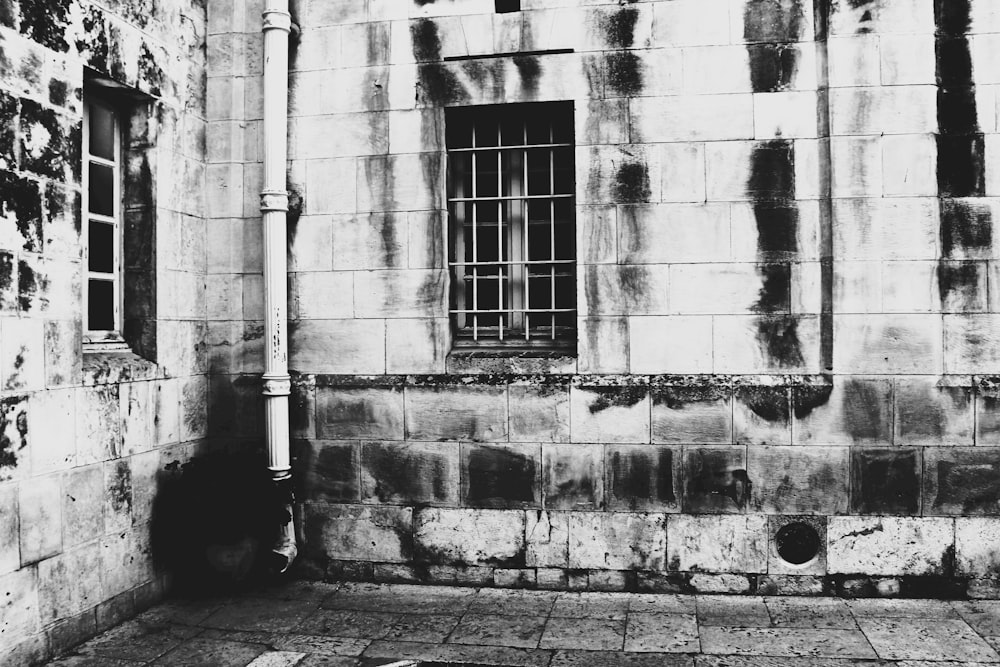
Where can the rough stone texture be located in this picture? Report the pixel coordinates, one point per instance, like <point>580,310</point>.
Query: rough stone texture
<point>472,537</point>
<point>617,541</point>
<point>717,543</point>
<point>890,545</point>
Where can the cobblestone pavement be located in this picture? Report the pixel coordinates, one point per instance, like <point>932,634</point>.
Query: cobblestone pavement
<point>366,625</point>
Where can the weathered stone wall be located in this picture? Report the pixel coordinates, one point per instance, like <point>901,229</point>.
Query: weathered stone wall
<point>785,262</point>
<point>86,439</point>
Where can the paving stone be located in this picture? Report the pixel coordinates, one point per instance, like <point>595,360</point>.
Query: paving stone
<point>881,608</point>
<point>785,642</point>
<point>257,614</point>
<point>661,633</point>
<point>783,661</point>
<point>345,623</point>
<point>619,659</point>
<point>298,590</point>
<point>136,640</point>
<point>422,628</point>
<point>663,604</point>
<point>982,615</point>
<point>491,630</point>
<point>926,639</point>
<point>181,612</point>
<point>609,606</point>
<point>211,653</point>
<point>340,646</point>
<point>328,661</point>
<point>92,661</point>
<point>496,655</point>
<point>401,598</point>
<point>277,659</point>
<point>810,613</point>
<point>504,601</point>
<point>741,612</point>
<point>592,634</point>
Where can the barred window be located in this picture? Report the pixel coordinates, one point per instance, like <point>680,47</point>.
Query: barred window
<point>512,225</point>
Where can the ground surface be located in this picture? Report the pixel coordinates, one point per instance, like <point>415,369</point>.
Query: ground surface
<point>364,625</point>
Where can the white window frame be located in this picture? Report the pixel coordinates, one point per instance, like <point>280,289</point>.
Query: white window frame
<point>96,340</point>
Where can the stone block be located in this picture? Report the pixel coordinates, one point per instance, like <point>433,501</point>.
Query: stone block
<point>883,110</point>
<point>765,344</point>
<point>931,411</point>
<point>717,543</point>
<point>321,295</point>
<point>460,412</point>
<point>345,413</point>
<point>16,434</point>
<point>883,344</point>
<point>340,135</point>
<point>644,478</point>
<point>322,199</point>
<point>608,581</point>
<point>350,532</point>
<point>41,526</point>
<point>610,289</point>
<point>22,354</point>
<point>762,415</point>
<point>63,359</point>
<point>501,476</point>
<point>401,293</point>
<point>547,540</point>
<point>83,505</point>
<point>886,229</point>
<point>681,232</point>
<point>914,287</point>
<point>417,345</point>
<point>539,413</point>
<point>327,471</point>
<point>98,424</point>
<point>57,430</point>
<point>551,579</point>
<point>469,536</point>
<point>715,480</point>
<point>961,481</point>
<point>117,495</point>
<point>976,550</point>
<point>971,343</point>
<point>337,346</point>
<point>857,166</point>
<point>617,541</point>
<point>889,546</point>
<point>693,117</point>
<point>573,476</point>
<point>885,481</point>
<point>692,414</point>
<point>69,583</point>
<point>854,410</point>
<point>609,414</point>
<point>790,115</point>
<point>400,182</point>
<point>682,22</point>
<point>720,583</point>
<point>410,473</point>
<point>10,553</point>
<point>797,546</point>
<point>514,578</point>
<point>165,397</point>
<point>683,172</point>
<point>602,345</point>
<point>670,344</point>
<point>908,163</point>
<point>788,584</point>
<point>136,417</point>
<point>19,610</point>
<point>709,70</point>
<point>799,480</point>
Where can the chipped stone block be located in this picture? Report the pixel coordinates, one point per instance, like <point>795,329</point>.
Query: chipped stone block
<point>470,536</point>
<point>761,415</point>
<point>374,534</point>
<point>643,478</point>
<point>674,344</point>
<point>501,476</point>
<point>885,481</point>
<point>720,583</point>
<point>573,476</point>
<point>976,550</point>
<point>715,479</point>
<point>695,414</point>
<point>854,410</point>
<point>617,541</point>
<point>547,540</point>
<point>410,473</point>
<point>799,480</point>
<point>327,471</point>
<point>889,546</point>
<point>539,413</point>
<point>456,413</point>
<point>348,413</point>
<point>552,579</point>
<point>961,481</point>
<point>609,414</point>
<point>717,543</point>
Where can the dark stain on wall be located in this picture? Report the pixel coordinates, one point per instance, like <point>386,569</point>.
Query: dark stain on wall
<point>619,27</point>
<point>968,487</point>
<point>805,399</point>
<point>436,84</point>
<point>623,70</point>
<point>20,197</point>
<point>326,472</point>
<point>48,147</point>
<point>962,285</point>
<point>615,397</point>
<point>862,407</point>
<point>631,184</point>
<point>773,20</point>
<point>94,43</point>
<point>776,288</point>
<point>150,72</point>
<point>28,283</point>
<point>7,286</point>
<point>13,431</point>
<point>8,126</point>
<point>405,476</point>
<point>499,477</point>
<point>677,398</point>
<point>45,21</point>
<point>885,481</point>
<point>641,478</point>
<point>120,487</point>
<point>772,404</point>
<point>715,480</point>
<point>961,169</point>
<point>529,68</point>
<point>772,66</point>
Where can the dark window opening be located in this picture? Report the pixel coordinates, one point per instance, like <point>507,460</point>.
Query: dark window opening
<point>512,225</point>
<point>505,6</point>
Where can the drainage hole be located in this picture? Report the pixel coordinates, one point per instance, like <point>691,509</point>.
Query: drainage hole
<point>797,543</point>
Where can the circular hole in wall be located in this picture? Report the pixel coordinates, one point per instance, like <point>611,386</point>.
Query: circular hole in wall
<point>797,543</point>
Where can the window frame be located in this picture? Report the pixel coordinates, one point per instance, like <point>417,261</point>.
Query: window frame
<point>512,228</point>
<point>103,340</point>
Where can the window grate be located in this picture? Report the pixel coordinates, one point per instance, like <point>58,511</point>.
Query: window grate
<point>512,219</point>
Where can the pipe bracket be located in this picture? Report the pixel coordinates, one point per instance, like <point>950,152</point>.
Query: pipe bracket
<point>277,385</point>
<point>275,19</point>
<point>273,200</point>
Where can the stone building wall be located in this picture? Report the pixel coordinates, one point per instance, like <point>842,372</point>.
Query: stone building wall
<point>86,439</point>
<point>786,309</point>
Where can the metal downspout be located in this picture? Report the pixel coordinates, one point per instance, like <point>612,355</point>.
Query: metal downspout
<point>274,207</point>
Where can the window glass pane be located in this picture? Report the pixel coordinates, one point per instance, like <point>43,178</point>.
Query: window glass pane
<point>538,171</point>
<point>101,195</point>
<point>539,242</point>
<point>101,247</point>
<point>102,132</point>
<point>487,133</point>
<point>100,305</point>
<point>487,166</point>
<point>563,175</point>
<point>539,291</point>
<point>461,175</point>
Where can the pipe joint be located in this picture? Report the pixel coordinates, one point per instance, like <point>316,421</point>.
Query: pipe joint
<point>274,200</point>
<point>277,385</point>
<point>276,19</point>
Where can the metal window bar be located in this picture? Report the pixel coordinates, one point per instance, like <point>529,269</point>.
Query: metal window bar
<point>512,275</point>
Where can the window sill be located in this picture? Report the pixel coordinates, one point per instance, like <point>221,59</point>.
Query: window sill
<point>103,366</point>
<point>511,361</point>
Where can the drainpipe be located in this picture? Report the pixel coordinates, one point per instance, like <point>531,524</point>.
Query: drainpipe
<point>274,207</point>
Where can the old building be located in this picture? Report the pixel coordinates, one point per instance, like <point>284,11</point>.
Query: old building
<point>657,295</point>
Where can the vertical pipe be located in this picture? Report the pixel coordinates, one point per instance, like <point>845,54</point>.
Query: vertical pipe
<point>277,25</point>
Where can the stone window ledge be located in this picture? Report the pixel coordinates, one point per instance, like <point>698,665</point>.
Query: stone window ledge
<point>511,362</point>
<point>100,368</point>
